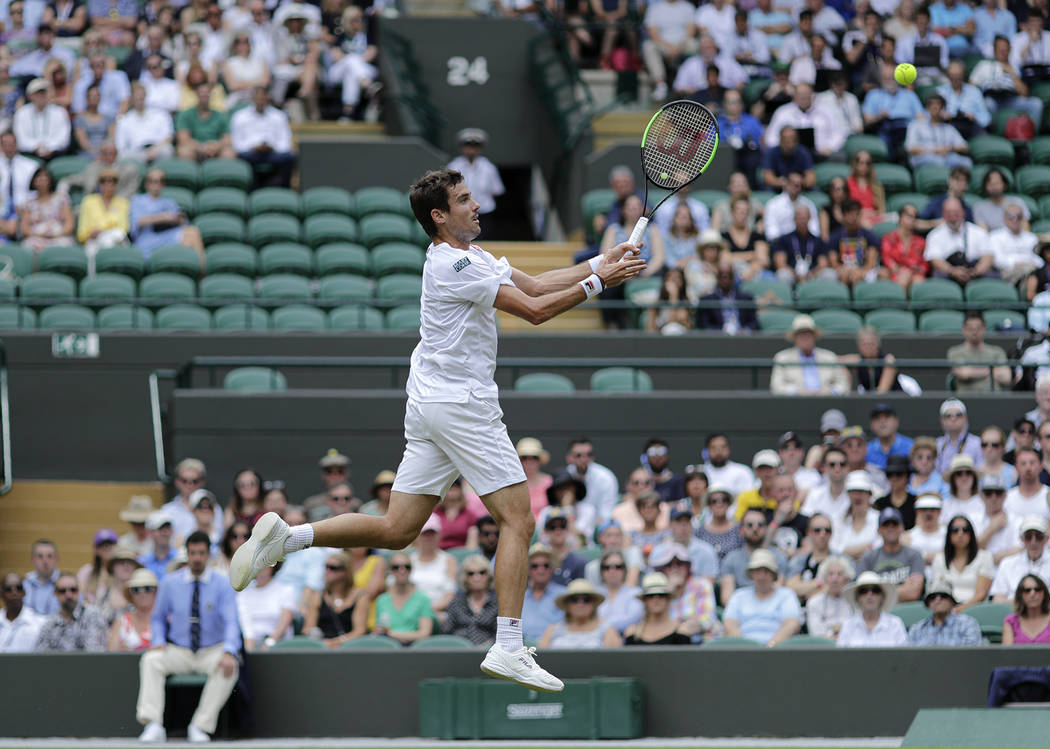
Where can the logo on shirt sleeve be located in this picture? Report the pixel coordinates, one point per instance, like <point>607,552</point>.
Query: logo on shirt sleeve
<point>461,264</point>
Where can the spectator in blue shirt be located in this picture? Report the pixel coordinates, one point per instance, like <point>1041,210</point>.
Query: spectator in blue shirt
<point>195,630</point>
<point>763,612</point>
<point>964,102</point>
<point>787,157</point>
<point>40,583</point>
<point>955,21</point>
<point>943,627</point>
<point>157,221</point>
<point>741,132</point>
<point>160,527</point>
<point>539,609</point>
<point>992,21</point>
<point>889,109</point>
<point>887,440</point>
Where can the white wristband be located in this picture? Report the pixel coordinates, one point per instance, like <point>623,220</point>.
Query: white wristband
<point>592,286</point>
<point>594,262</point>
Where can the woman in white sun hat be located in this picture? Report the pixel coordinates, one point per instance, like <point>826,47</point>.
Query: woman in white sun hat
<point>872,626</point>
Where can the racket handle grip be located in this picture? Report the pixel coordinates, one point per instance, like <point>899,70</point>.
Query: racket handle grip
<point>639,230</point>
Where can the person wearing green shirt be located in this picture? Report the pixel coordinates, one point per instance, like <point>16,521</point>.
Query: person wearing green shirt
<point>201,132</point>
<point>403,612</point>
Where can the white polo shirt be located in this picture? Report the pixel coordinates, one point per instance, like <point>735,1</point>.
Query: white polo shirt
<point>1020,506</point>
<point>1013,568</point>
<point>456,355</point>
<point>942,242</point>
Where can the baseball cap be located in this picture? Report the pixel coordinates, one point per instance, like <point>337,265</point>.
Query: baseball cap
<point>763,559</point>
<point>940,585</point>
<point>766,458</point>
<point>555,513</point>
<point>832,420</point>
<point>851,432</point>
<point>787,437</point>
<point>928,501</point>
<point>992,483</point>
<point>333,458</point>
<point>158,520</point>
<point>472,135</point>
<point>35,85</point>
<point>433,524</point>
<point>681,510</point>
<point>859,481</point>
<point>890,515</point>
<point>195,498</point>
<point>1034,523</point>
<point>539,549</point>
<point>883,408</point>
<point>953,404</point>
<point>664,555</point>
<point>105,536</point>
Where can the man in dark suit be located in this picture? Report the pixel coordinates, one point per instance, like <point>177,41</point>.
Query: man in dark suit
<point>726,308</point>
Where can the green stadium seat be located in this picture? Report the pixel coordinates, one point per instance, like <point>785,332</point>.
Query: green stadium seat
<point>761,289</point>
<point>1004,319</point>
<point>819,199</point>
<point>241,317</point>
<point>1042,226</point>
<point>763,196</point>
<point>70,260</point>
<point>66,317</point>
<point>399,286</point>
<point>1039,150</point>
<point>273,227</point>
<point>643,292</point>
<point>895,202</point>
<point>123,259</point>
<point>286,257</point>
<point>342,257</point>
<point>124,317</point>
<point>544,382</point>
<point>776,319</point>
<point>107,288</point>
<point>871,143</point>
<point>255,380</point>
<point>378,228</point>
<point>345,287</point>
<point>880,230</point>
<point>732,642</point>
<point>61,167</point>
<point>16,317</point>
<point>371,200</point>
<point>226,173</point>
<point>222,200</point>
<point>326,228</point>
<point>992,149</point>
<point>232,257</point>
<point>183,317</point>
<point>298,317</point>
<point>186,199</point>
<point>175,259</point>
<point>891,320</point>
<point>990,290</point>
<point>48,288</point>
<point>911,612</point>
<point>710,198</point>
<point>275,200</point>
<point>443,642</point>
<point>298,642</point>
<point>21,258</point>
<point>936,290</point>
<point>621,380</point>
<point>941,321</point>
<point>931,178</point>
<point>180,173</point>
<point>225,287</point>
<point>895,179</point>
<point>284,287</point>
<point>397,257</point>
<point>1033,180</point>
<point>754,89</point>
<point>403,317</point>
<point>878,294</point>
<point>828,170</point>
<point>990,618</point>
<point>820,293</point>
<point>163,288</point>
<point>220,227</point>
<point>327,200</point>
<point>7,289</point>
<point>371,642</point>
<point>838,320</point>
<point>355,317</point>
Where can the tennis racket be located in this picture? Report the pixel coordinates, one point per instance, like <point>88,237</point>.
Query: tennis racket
<point>678,145</point>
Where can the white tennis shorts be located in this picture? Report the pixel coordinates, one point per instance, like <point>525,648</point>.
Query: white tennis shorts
<point>444,440</point>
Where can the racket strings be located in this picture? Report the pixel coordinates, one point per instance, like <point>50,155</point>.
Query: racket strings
<point>679,144</point>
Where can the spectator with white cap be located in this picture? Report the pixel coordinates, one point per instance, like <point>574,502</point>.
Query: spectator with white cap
<point>734,566</point>
<point>796,370</point>
<point>927,537</point>
<point>132,629</point>
<point>702,556</point>
<point>480,174</point>
<point>832,422</point>
<point>161,527</point>
<point>894,562</point>
<point>857,530</point>
<point>135,514</point>
<point>872,626</point>
<point>957,438</point>
<point>721,470</point>
<point>434,571</point>
<point>763,611</point>
<point>692,598</point>
<point>945,626</point>
<point>963,495</point>
<point>43,129</point>
<point>998,529</point>
<point>1034,560</point>
<point>656,460</point>
<point>830,498</point>
<point>828,609</point>
<point>335,468</point>
<point>765,464</point>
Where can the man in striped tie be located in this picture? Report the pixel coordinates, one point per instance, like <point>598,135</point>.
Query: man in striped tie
<point>195,631</point>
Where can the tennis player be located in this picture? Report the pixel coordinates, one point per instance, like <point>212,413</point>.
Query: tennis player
<point>453,421</point>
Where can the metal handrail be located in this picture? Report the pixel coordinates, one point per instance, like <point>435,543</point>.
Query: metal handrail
<point>5,422</point>
<point>159,451</point>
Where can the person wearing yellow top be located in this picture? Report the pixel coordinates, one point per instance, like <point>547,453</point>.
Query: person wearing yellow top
<point>765,464</point>
<point>105,217</point>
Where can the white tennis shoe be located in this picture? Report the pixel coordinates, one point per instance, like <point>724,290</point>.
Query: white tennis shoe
<point>264,549</point>
<point>154,731</point>
<point>520,667</point>
<point>196,736</point>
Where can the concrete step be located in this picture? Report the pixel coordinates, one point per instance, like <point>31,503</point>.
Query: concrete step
<point>621,125</point>
<point>66,512</point>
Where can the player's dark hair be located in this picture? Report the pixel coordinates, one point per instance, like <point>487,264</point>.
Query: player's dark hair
<point>429,192</point>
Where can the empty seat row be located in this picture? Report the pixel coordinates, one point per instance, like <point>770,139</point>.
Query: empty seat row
<point>887,320</point>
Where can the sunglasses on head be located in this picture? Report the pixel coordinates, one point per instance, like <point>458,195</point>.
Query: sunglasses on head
<point>143,589</point>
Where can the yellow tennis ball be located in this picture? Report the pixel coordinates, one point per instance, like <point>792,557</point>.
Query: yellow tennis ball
<point>905,74</point>
<point>663,175</point>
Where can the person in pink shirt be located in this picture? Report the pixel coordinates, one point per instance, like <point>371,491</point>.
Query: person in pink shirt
<point>533,458</point>
<point>1030,622</point>
<point>457,520</point>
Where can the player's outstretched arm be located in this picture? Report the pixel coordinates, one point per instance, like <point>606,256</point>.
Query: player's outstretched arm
<point>540,309</point>
<point>562,278</point>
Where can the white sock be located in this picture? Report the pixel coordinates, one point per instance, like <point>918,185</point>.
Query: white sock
<point>508,633</point>
<point>301,537</point>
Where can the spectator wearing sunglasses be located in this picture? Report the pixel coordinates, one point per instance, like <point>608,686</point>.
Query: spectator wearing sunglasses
<point>830,498</point>
<point>488,537</point>
<point>718,529</point>
<point>896,563</point>
<point>873,626</point>
<point>735,575</point>
<point>1031,495</point>
<point>610,538</point>
<point>539,611</point>
<point>898,471</point>
<point>380,493</point>
<point>966,568</point>
<point>957,439</point>
<point>692,598</point>
<point>472,613</point>
<point>190,475</point>
<point>945,626</point>
<point>340,613</point>
<point>656,627</point>
<point>993,448</point>
<point>924,479</point>
<point>76,627</point>
<point>621,607</point>
<point>19,624</point>
<point>1034,560</point>
<point>132,629</point>
<point>627,514</point>
<point>602,485</point>
<point>803,572</point>
<point>568,565</point>
<point>1030,622</point>
<point>702,557</point>
<point>656,459</point>
<point>763,611</point>
<point>997,529</point>
<point>232,539</point>
<point>927,537</point>
<point>581,626</point>
<point>335,468</point>
<point>403,612</point>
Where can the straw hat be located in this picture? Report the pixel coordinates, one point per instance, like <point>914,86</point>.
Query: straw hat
<point>763,559</point>
<point>137,509</point>
<point>711,237</point>
<point>578,587</point>
<point>654,584</point>
<point>530,447</point>
<point>960,463</point>
<point>143,578</point>
<point>889,591</point>
<point>801,323</point>
<point>122,554</point>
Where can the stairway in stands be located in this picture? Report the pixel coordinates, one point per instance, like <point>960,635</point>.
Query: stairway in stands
<point>66,512</point>
<point>620,125</point>
<point>535,258</point>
